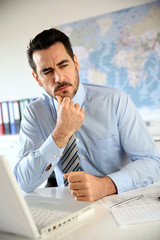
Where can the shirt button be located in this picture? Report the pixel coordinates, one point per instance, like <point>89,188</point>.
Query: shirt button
<point>83,157</point>
<point>61,154</point>
<point>77,139</point>
<point>54,155</point>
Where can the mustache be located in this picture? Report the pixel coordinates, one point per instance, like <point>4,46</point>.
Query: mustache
<point>62,84</point>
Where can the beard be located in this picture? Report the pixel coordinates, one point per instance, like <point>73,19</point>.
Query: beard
<point>61,85</point>
<point>65,93</point>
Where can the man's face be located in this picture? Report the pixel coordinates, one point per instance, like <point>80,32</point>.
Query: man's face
<point>56,71</point>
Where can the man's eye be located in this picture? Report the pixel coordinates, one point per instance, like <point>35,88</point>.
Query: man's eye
<point>64,65</point>
<point>45,73</point>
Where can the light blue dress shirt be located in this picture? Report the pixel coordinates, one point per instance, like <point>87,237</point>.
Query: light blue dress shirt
<point>112,141</point>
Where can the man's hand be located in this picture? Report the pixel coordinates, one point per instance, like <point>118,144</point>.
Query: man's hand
<point>70,117</point>
<point>86,187</point>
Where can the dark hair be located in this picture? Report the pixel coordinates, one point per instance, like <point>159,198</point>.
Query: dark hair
<point>44,40</point>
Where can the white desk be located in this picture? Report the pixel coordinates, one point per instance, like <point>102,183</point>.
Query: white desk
<point>98,226</point>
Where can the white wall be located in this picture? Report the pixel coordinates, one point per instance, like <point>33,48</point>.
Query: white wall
<point>21,20</point>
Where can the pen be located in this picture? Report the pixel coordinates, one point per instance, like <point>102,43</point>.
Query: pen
<point>127,201</point>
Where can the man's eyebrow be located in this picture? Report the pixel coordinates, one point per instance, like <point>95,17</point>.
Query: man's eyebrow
<point>58,64</point>
<point>45,69</point>
<point>62,62</point>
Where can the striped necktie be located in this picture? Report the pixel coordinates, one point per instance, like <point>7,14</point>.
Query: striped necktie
<point>70,159</point>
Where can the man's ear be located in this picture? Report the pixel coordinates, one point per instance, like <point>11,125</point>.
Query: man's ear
<point>76,62</point>
<point>36,77</point>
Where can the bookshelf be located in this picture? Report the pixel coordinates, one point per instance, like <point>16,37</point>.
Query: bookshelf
<point>11,114</point>
<point>10,117</point>
<point>9,148</point>
<point>8,141</point>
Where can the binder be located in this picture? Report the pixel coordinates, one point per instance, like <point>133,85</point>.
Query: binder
<point>11,118</point>
<point>1,121</point>
<point>11,113</point>
<point>22,105</point>
<point>31,99</point>
<point>17,116</point>
<point>5,114</point>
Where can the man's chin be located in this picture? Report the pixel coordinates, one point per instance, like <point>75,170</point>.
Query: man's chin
<point>64,94</point>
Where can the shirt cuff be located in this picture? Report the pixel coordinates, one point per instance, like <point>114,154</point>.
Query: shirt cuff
<point>122,181</point>
<point>50,152</point>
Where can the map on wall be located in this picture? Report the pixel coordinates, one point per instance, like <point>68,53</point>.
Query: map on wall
<point>122,50</point>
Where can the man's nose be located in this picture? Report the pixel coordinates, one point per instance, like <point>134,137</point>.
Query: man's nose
<point>58,76</point>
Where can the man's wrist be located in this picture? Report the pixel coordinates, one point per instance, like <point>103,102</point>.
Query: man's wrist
<point>60,139</point>
<point>110,187</point>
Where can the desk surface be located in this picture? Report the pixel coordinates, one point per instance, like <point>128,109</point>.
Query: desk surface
<point>100,225</point>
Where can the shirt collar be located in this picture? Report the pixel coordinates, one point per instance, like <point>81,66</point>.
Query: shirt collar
<point>78,98</point>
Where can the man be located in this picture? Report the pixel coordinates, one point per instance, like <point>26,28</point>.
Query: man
<point>116,151</point>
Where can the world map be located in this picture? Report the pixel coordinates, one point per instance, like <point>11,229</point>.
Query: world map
<point>122,50</point>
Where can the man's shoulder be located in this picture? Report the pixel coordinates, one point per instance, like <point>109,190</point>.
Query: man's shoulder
<point>43,100</point>
<point>41,104</point>
<point>100,90</point>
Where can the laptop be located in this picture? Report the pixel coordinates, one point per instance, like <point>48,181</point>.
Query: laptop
<point>34,216</point>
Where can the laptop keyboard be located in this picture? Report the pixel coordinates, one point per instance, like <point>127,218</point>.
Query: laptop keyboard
<point>45,217</point>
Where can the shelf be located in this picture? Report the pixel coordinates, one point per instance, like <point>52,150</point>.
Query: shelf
<point>8,141</point>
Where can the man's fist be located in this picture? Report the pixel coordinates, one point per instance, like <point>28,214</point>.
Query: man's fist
<point>87,187</point>
<point>70,117</point>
